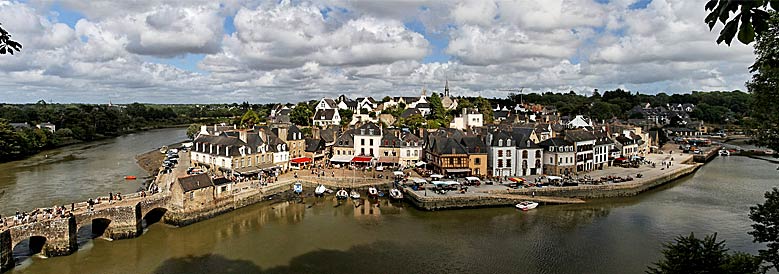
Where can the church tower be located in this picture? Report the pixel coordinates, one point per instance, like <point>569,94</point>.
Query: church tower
<point>446,88</point>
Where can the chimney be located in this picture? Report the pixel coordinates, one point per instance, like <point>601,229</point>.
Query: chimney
<point>203,129</point>
<point>315,132</point>
<point>282,129</point>
<point>243,135</point>
<point>262,135</point>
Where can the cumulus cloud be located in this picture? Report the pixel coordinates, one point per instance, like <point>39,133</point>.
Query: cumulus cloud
<point>298,50</point>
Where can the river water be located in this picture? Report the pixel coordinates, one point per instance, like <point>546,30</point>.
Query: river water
<point>78,172</point>
<point>621,235</point>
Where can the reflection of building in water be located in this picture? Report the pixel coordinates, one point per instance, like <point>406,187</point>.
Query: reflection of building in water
<point>289,212</point>
<point>367,208</point>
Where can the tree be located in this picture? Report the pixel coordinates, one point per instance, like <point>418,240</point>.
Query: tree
<point>346,116</point>
<point>485,108</point>
<point>763,87</point>
<point>753,17</point>
<point>690,255</point>
<point>766,227</point>
<point>249,119</point>
<point>301,114</point>
<point>6,44</point>
<point>193,130</point>
<point>437,111</point>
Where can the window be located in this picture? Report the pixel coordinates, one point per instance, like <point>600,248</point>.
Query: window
<point>508,162</point>
<point>524,154</point>
<point>508,153</point>
<point>500,142</point>
<point>538,154</point>
<point>386,153</point>
<point>362,142</point>
<point>371,152</point>
<point>191,195</point>
<point>416,152</point>
<point>500,163</point>
<point>371,141</point>
<point>408,153</point>
<point>477,161</point>
<point>362,151</point>
<point>500,153</point>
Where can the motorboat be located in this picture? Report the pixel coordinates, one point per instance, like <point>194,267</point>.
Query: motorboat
<point>354,195</point>
<point>527,205</point>
<point>373,192</point>
<point>396,194</point>
<point>320,190</point>
<point>298,188</point>
<point>724,152</point>
<point>341,194</point>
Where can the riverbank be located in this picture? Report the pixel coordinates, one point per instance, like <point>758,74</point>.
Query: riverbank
<point>151,161</point>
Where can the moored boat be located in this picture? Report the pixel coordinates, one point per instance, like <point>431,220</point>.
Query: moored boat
<point>341,194</point>
<point>297,187</point>
<point>527,205</point>
<point>373,192</point>
<point>129,177</point>
<point>354,195</point>
<point>724,152</point>
<point>320,191</point>
<point>396,194</point>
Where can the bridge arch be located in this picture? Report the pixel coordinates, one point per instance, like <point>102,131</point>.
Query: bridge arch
<point>153,216</point>
<point>26,248</point>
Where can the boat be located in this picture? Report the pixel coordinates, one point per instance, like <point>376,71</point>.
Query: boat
<point>320,191</point>
<point>298,188</point>
<point>354,195</point>
<point>527,205</point>
<point>396,194</point>
<point>341,194</point>
<point>164,149</point>
<point>373,192</point>
<point>129,177</point>
<point>724,152</point>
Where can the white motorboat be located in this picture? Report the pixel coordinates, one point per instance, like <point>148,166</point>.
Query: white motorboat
<point>320,190</point>
<point>373,192</point>
<point>724,152</point>
<point>396,194</point>
<point>341,194</point>
<point>354,195</point>
<point>527,205</point>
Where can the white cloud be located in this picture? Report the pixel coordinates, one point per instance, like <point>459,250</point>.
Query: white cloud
<point>300,50</point>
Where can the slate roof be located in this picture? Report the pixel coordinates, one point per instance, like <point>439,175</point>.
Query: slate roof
<point>521,136</point>
<point>195,182</point>
<point>220,181</point>
<point>368,129</point>
<point>473,144</point>
<point>324,114</point>
<point>410,111</point>
<point>314,145</point>
<point>445,145</point>
<point>500,135</point>
<point>579,135</point>
<point>346,139</point>
<point>423,105</point>
<point>389,140</point>
<point>555,142</point>
<point>327,135</point>
<point>330,103</point>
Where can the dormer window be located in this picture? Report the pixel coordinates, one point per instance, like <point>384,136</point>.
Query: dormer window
<point>500,142</point>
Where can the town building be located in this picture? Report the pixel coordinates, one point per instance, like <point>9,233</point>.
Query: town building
<point>326,117</point>
<point>367,139</point>
<point>559,156</point>
<point>469,118</point>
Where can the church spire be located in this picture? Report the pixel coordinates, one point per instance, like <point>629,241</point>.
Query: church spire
<point>446,88</point>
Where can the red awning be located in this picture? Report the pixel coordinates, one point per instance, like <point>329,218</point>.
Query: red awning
<point>361,159</point>
<point>301,160</point>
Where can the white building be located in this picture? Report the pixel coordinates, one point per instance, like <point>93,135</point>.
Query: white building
<point>603,145</point>
<point>410,149</point>
<point>326,103</point>
<point>529,155</point>
<point>584,143</point>
<point>579,122</point>
<point>325,117</point>
<point>470,118</point>
<point>500,158</point>
<point>367,139</point>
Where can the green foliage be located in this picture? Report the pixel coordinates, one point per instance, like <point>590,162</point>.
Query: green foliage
<point>249,119</point>
<point>766,227</point>
<point>485,108</point>
<point>751,18</point>
<point>6,44</point>
<point>763,87</point>
<point>414,121</point>
<point>346,116</point>
<point>301,114</point>
<point>437,111</point>
<point>192,130</point>
<point>691,255</point>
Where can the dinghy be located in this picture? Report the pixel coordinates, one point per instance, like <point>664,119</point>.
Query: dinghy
<point>373,192</point>
<point>341,194</point>
<point>354,195</point>
<point>396,194</point>
<point>320,191</point>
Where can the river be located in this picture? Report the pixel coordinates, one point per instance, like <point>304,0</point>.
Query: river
<point>77,172</point>
<point>621,235</point>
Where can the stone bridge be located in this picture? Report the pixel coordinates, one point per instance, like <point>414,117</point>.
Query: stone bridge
<point>59,236</point>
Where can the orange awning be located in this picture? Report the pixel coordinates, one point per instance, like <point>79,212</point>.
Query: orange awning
<point>301,160</point>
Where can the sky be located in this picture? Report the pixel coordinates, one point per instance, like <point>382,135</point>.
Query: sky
<point>205,51</point>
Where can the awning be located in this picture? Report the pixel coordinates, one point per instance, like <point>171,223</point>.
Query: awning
<point>361,159</point>
<point>436,176</point>
<point>472,178</point>
<point>458,170</point>
<point>301,160</point>
<point>517,179</point>
<point>341,158</point>
<point>418,180</point>
<point>388,159</point>
<point>621,159</point>
<point>420,163</point>
<point>398,173</point>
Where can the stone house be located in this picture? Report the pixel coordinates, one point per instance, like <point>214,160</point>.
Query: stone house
<point>559,156</point>
<point>343,149</point>
<point>410,149</point>
<point>389,148</point>
<point>193,191</point>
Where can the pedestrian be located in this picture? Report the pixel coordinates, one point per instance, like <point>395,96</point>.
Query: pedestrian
<point>534,194</point>
<point>110,197</point>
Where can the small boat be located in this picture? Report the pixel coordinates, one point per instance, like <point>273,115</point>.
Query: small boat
<point>354,195</point>
<point>724,152</point>
<point>164,149</point>
<point>396,194</point>
<point>320,191</point>
<point>129,177</point>
<point>527,205</point>
<point>341,194</point>
<point>373,192</point>
<point>298,188</point>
